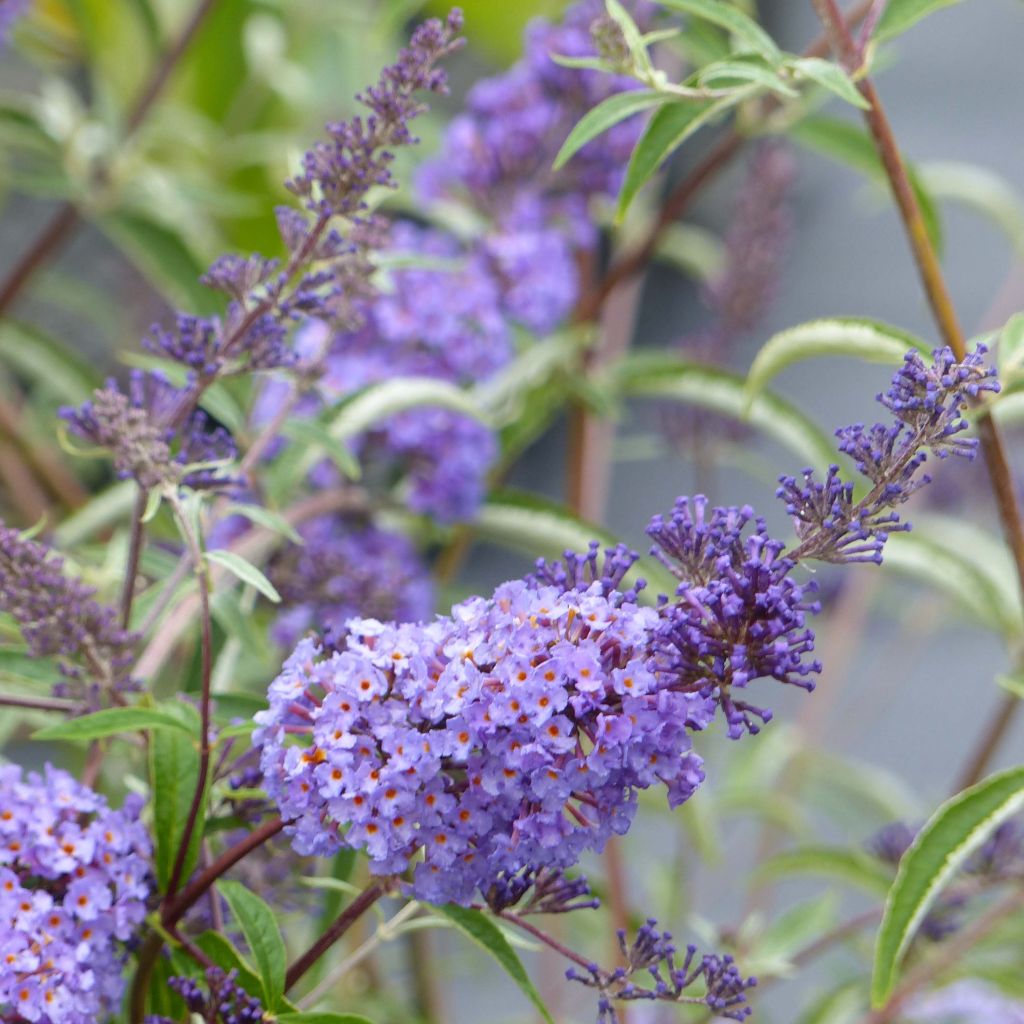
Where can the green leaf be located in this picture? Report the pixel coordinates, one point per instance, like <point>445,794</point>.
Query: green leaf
<point>101,511</point>
<point>851,145</point>
<point>485,933</point>
<point>951,835</point>
<point>899,15</point>
<point>315,433</point>
<point>740,71</point>
<point>221,951</point>
<point>964,561</point>
<point>830,76</point>
<point>174,771</point>
<point>1011,346</point>
<point>110,721</point>
<point>607,113</point>
<point>666,131</point>
<point>164,258</point>
<point>539,527</point>
<point>319,1017</point>
<point>725,15</point>
<point>664,376</point>
<point>693,250</point>
<point>266,518</point>
<point>1012,684</point>
<point>870,340</point>
<point>981,190</point>
<point>245,571</point>
<point>46,362</point>
<point>259,926</point>
<point>396,395</point>
<point>791,932</point>
<point>843,865</point>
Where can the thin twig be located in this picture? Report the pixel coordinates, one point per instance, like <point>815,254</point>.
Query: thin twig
<point>944,314</point>
<point>348,917</point>
<point>131,571</point>
<point>9,700</point>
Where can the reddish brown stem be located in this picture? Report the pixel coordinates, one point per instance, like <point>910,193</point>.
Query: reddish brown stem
<point>342,923</point>
<point>944,314</point>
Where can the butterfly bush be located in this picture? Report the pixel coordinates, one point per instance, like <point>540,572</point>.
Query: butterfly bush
<point>516,732</point>
<point>74,880</point>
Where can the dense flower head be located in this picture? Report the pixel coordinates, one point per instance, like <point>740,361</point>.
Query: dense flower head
<point>542,891</point>
<point>514,733</point>
<point>73,889</point>
<point>347,568</point>
<point>653,953</point>
<point>138,426</point>
<point>738,614</point>
<point>59,617</point>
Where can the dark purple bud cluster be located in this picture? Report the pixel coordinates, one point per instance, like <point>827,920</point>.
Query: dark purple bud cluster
<point>219,999</point>
<point>140,428</point>
<point>927,402</point>
<point>580,572</point>
<point>59,617</point>
<point>540,891</point>
<point>653,953</point>
<point>738,614</point>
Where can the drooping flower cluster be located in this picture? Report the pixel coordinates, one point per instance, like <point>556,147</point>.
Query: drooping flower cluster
<point>652,953</point>
<point>927,402</point>
<point>59,618</point>
<point>739,615</point>
<point>513,734</point>
<point>73,889</point>
<point>149,439</point>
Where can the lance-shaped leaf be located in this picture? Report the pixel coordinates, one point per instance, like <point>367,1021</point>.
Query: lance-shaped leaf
<point>245,571</point>
<point>662,376</point>
<point>599,119</point>
<point>899,15</point>
<point>829,76</point>
<point>486,934</point>
<point>733,20</point>
<point>837,863</point>
<point>952,834</point>
<point>869,340</point>
<point>396,395</point>
<point>262,935</point>
<point>111,721</point>
<point>667,130</point>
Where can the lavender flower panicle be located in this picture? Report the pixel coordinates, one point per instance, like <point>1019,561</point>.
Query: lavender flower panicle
<point>541,891</point>
<point>59,617</point>
<point>224,1001</point>
<point>74,882</point>
<point>653,953</point>
<point>579,572</point>
<point>927,402</point>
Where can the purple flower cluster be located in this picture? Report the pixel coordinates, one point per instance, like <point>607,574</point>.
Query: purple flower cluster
<point>927,402</point>
<point>738,616</point>
<point>653,953</point>
<point>347,569</point>
<point>223,1001</point>
<point>73,889</point>
<point>514,733</point>
<point>59,617</point>
<point>149,439</point>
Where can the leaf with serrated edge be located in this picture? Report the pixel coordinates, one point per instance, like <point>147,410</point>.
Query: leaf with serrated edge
<point>263,936</point>
<point>870,340</point>
<point>485,933</point>
<point>951,835</point>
